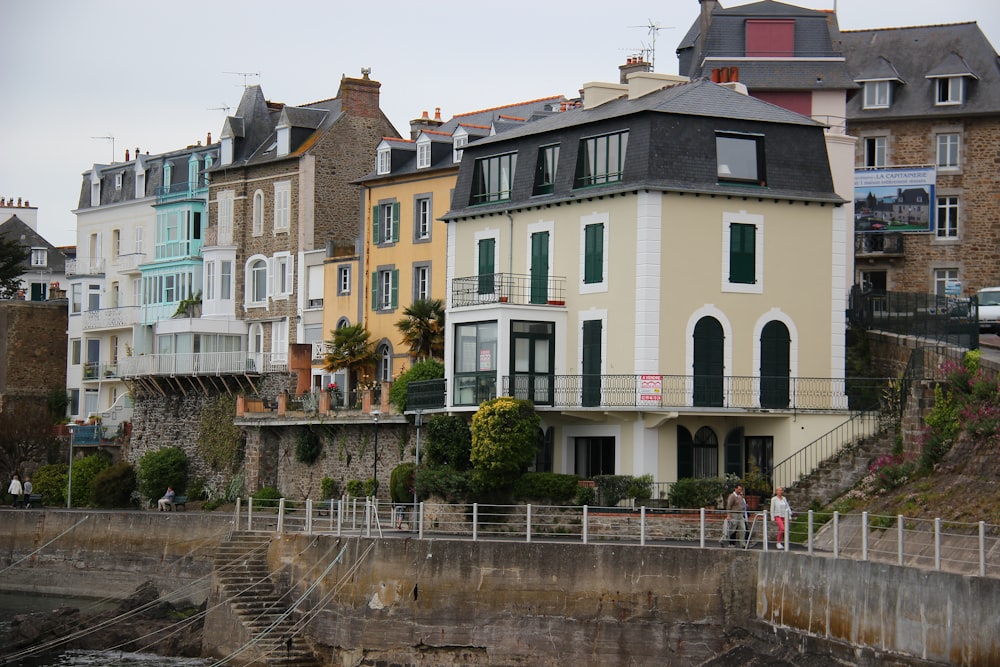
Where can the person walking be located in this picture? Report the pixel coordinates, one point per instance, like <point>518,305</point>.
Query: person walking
<point>15,490</point>
<point>27,488</point>
<point>781,512</point>
<point>736,506</point>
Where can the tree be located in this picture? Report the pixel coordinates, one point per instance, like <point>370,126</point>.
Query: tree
<point>25,434</point>
<point>423,328</point>
<point>449,443</point>
<point>12,261</point>
<point>160,469</point>
<point>504,441</point>
<point>351,349</point>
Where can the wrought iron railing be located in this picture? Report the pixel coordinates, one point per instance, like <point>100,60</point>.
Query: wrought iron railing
<point>878,243</point>
<point>425,395</point>
<point>944,319</point>
<point>508,288</point>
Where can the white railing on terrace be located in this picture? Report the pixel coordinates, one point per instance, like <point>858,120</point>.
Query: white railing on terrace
<point>85,267</point>
<point>959,547</point>
<point>128,263</point>
<point>319,350</point>
<point>205,363</point>
<point>111,318</point>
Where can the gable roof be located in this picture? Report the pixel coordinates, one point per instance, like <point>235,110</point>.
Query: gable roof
<point>17,229</point>
<point>919,52</point>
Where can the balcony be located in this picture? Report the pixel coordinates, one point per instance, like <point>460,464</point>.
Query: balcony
<point>85,267</point>
<point>128,263</point>
<point>878,244</point>
<point>677,392</point>
<point>179,191</point>
<point>319,350</point>
<point>204,363</point>
<point>512,288</point>
<point>121,317</point>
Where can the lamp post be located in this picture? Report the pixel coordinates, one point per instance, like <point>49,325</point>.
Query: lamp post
<point>418,421</point>
<point>69,485</point>
<point>375,414</point>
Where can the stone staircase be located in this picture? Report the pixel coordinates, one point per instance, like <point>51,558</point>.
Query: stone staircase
<point>245,579</point>
<point>838,474</point>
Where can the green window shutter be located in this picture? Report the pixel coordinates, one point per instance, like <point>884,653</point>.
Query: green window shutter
<point>539,267</point>
<point>593,258</point>
<point>394,289</point>
<point>486,266</point>
<point>375,225</point>
<point>742,248</point>
<point>375,282</point>
<point>395,222</point>
<point>592,362</point>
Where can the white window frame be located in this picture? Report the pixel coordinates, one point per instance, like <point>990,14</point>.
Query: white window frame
<point>258,213</point>
<point>458,142</point>
<point>386,222</point>
<point>586,221</point>
<point>118,180</point>
<point>423,153</point>
<point>283,264</point>
<point>942,277</point>
<point>954,89</point>
<point>343,280</point>
<point>743,218</point>
<point>251,269</point>
<point>421,282</point>
<point>878,94</point>
<point>383,161</point>
<point>225,199</point>
<point>385,289</point>
<point>422,208</point>
<point>226,280</point>
<point>138,240</point>
<point>282,206</point>
<point>209,281</point>
<point>881,143</point>
<point>39,257</point>
<point>945,142</point>
<point>76,298</point>
<point>946,226</point>
<point>279,341</point>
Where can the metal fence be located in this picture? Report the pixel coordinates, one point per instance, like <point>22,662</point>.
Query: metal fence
<point>960,547</point>
<point>945,319</point>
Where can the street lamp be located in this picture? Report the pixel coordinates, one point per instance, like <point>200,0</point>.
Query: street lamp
<point>375,414</point>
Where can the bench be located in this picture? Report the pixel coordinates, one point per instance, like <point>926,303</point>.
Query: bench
<point>33,499</point>
<point>179,501</point>
<point>269,404</point>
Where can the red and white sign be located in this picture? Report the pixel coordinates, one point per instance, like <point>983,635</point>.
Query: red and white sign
<point>650,388</point>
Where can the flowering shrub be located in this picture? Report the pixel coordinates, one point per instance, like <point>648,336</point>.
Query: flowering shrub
<point>891,471</point>
<point>982,421</point>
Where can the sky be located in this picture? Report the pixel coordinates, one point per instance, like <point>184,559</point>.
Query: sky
<point>157,75</point>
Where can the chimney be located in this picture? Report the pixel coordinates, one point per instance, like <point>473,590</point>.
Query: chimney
<point>360,97</point>
<point>418,125</point>
<point>707,7</point>
<point>632,64</point>
<point>126,155</point>
<point>437,114</point>
<point>208,139</point>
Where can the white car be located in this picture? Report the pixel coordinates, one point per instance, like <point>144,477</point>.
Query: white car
<point>989,309</point>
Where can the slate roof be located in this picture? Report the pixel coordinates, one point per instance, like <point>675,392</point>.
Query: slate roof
<point>15,228</point>
<point>920,52</point>
<point>671,147</point>
<point>816,37</point>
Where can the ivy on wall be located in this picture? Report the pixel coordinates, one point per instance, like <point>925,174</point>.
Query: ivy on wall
<point>308,445</point>
<point>219,438</point>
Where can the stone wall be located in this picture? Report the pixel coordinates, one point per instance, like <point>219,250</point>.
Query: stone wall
<point>32,347</point>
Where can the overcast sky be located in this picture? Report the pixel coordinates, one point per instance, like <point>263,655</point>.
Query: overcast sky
<point>154,74</point>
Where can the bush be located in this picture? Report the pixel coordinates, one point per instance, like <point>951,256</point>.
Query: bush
<point>355,488</point>
<point>268,496</point>
<point>329,488</point>
<point>113,486</point>
<point>50,481</point>
<point>401,483</point>
<point>160,469</point>
<point>504,441</point>
<point>308,446</point>
<point>694,493</point>
<point>428,369</point>
<point>447,483</point>
<point>449,443</point>
<point>548,486</point>
<point>611,489</point>
<point>585,495</point>
<point>640,488</point>
<point>84,472</point>
<point>196,490</point>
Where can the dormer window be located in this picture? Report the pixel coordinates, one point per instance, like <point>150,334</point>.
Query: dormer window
<point>39,257</point>
<point>95,189</point>
<point>284,140</point>
<point>140,183</point>
<point>168,176</point>
<point>878,94</point>
<point>740,158</point>
<point>423,153</point>
<point>193,171</point>
<point>226,150</point>
<point>458,142</point>
<point>118,181</point>
<point>950,90</point>
<point>383,163</point>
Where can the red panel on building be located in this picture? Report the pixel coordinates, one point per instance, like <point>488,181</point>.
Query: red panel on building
<point>770,38</point>
<point>797,101</point>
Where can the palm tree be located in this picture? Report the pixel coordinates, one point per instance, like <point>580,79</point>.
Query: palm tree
<point>351,349</point>
<point>423,328</point>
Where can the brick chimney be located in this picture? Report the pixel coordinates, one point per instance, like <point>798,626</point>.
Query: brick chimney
<point>632,64</point>
<point>418,125</point>
<point>707,7</point>
<point>359,97</point>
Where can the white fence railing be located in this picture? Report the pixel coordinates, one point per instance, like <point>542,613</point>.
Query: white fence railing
<point>204,363</point>
<point>960,547</point>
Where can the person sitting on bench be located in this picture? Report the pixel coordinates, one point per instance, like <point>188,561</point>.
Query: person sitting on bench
<point>167,501</point>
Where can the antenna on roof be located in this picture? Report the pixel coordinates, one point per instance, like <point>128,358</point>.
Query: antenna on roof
<point>224,107</point>
<point>112,140</point>
<point>653,27</point>
<point>245,75</point>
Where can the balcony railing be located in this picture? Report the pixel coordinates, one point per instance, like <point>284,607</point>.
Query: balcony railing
<point>683,391</point>
<point>878,243</point>
<point>204,363</point>
<point>128,263</point>
<point>111,318</point>
<point>166,193</point>
<point>508,288</point>
<point>319,350</point>
<point>85,267</point>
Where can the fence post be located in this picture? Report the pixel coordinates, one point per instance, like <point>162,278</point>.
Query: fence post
<point>899,539</point>
<point>763,525</point>
<point>982,548</point>
<point>250,513</point>
<point>236,519</point>
<point>809,521</point>
<point>701,528</point>
<point>420,534</point>
<point>642,526</point>
<point>864,536</point>
<point>475,521</point>
<point>281,515</point>
<point>309,516</point>
<point>340,515</point>
<point>586,511</point>
<point>836,534</point>
<point>368,516</point>
<point>330,501</point>
<point>527,522</point>
<point>937,544</point>
<point>354,513</point>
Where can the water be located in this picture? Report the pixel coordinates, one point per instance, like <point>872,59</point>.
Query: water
<point>12,604</point>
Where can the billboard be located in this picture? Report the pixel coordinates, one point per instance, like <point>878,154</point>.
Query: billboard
<point>894,199</point>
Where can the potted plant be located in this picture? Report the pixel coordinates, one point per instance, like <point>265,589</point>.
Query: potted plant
<point>756,486</point>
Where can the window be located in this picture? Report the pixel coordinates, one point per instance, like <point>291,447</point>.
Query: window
<point>740,158</point>
<point>942,278</point>
<point>385,289</point>
<point>385,223</point>
<point>421,282</point>
<point>486,253</point>
<point>94,297</point>
<point>594,239</point>
<point>492,178</point>
<point>279,341</point>
<point>602,159</point>
<point>947,217</point>
<point>74,402</point>
<point>770,38</point>
<point>169,289</point>
<point>282,205</point>
<point>343,280</point>
<point>384,370</point>
<point>116,243</point>
<point>138,240</point>
<point>422,224</point>
<point>545,170</point>
<point>74,351</point>
<point>39,257</point>
<point>948,150</point>
<point>475,363</point>
<point>314,288</point>
<point>225,199</point>
<point>743,252</point>
<point>458,142</point>
<point>383,164</point>
<point>209,281</point>
<point>257,281</point>
<point>168,176</point>
<point>593,456</point>
<point>875,151</point>
<point>950,90</point>
<point>118,181</point>
<point>877,94</point>
<point>283,275</point>
<point>258,213</point>
<point>423,153</point>
<point>226,280</point>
